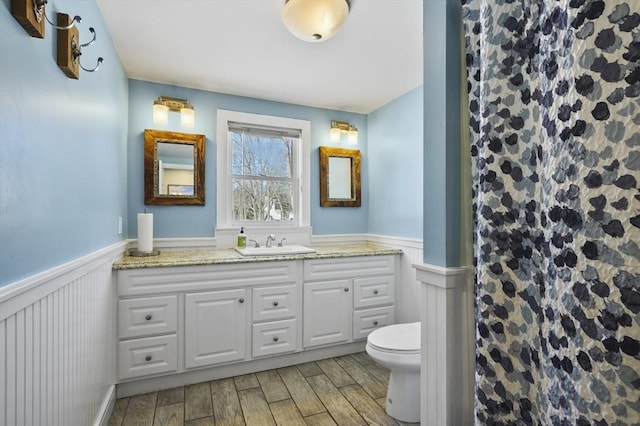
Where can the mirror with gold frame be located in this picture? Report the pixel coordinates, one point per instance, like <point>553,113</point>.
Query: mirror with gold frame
<point>173,168</point>
<point>339,177</point>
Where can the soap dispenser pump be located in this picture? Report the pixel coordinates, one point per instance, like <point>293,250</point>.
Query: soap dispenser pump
<point>242,239</point>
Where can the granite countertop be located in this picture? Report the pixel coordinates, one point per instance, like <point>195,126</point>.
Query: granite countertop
<point>225,256</point>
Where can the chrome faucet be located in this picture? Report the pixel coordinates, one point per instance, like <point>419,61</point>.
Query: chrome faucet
<point>271,238</point>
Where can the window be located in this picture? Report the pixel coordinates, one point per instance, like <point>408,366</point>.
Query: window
<point>263,171</point>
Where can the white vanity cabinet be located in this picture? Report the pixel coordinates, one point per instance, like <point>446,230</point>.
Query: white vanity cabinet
<point>175,319</point>
<point>183,324</point>
<point>346,298</point>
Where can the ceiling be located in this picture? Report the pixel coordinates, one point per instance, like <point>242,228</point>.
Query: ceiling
<point>241,47</point>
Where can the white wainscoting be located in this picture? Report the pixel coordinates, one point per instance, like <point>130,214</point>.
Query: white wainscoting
<point>408,288</point>
<point>57,363</point>
<point>447,364</point>
<point>57,333</point>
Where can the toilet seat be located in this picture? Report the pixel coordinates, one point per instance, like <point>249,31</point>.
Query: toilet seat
<point>397,338</point>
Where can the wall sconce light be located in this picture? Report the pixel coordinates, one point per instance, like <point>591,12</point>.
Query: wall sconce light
<point>314,20</point>
<point>340,127</point>
<point>31,14</point>
<point>164,104</point>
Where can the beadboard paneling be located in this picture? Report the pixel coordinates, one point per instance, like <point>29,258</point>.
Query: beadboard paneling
<point>408,288</point>
<point>56,349</point>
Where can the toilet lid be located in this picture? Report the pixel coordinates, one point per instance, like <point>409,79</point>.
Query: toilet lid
<point>397,337</point>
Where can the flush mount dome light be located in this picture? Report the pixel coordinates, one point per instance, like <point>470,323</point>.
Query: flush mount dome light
<point>314,20</point>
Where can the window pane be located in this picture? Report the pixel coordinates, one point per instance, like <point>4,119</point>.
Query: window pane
<point>262,200</point>
<point>262,156</point>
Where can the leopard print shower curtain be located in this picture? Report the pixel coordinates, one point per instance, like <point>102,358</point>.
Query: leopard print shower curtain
<point>554,100</point>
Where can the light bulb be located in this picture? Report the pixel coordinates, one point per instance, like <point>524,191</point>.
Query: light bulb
<point>352,136</point>
<point>187,116</point>
<point>334,134</point>
<point>160,113</point>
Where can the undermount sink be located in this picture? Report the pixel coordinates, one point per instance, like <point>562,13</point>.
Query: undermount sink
<point>274,251</point>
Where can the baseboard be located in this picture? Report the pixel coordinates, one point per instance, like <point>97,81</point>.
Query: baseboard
<point>141,386</point>
<point>106,408</point>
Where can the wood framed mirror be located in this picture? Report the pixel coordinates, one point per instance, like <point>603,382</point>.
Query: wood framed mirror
<point>173,168</point>
<point>339,177</point>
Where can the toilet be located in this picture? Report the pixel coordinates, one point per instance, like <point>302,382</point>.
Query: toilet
<point>397,347</point>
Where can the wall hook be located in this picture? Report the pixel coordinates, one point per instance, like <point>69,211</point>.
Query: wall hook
<point>30,14</point>
<point>40,10</point>
<point>70,48</point>
<point>77,51</point>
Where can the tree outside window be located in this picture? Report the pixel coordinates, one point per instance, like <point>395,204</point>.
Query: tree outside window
<point>264,178</point>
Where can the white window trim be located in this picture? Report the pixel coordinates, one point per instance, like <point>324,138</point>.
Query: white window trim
<point>224,215</point>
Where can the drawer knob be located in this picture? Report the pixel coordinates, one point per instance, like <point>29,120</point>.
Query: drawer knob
<point>275,339</point>
<point>375,291</point>
<point>241,300</point>
<point>375,323</point>
<point>346,289</point>
<point>147,358</point>
<point>148,317</point>
<point>275,303</point>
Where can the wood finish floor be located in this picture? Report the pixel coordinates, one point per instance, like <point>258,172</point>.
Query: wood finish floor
<point>347,390</point>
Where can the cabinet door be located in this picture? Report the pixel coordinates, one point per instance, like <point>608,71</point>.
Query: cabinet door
<point>327,312</point>
<point>215,327</point>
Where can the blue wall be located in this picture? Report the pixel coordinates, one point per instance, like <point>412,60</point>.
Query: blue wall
<point>442,106</point>
<point>62,146</point>
<point>200,221</point>
<point>71,153</point>
<point>395,167</point>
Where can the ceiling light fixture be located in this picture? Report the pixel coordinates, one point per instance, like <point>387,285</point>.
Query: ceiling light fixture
<point>314,20</point>
<point>340,127</point>
<point>164,104</point>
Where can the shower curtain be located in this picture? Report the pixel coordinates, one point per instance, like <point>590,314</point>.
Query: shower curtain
<point>554,101</point>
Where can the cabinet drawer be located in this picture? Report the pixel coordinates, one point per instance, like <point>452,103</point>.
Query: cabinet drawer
<point>274,337</point>
<point>367,320</point>
<point>147,316</point>
<point>144,281</point>
<point>152,355</point>
<point>272,303</point>
<point>348,267</point>
<point>373,291</point>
